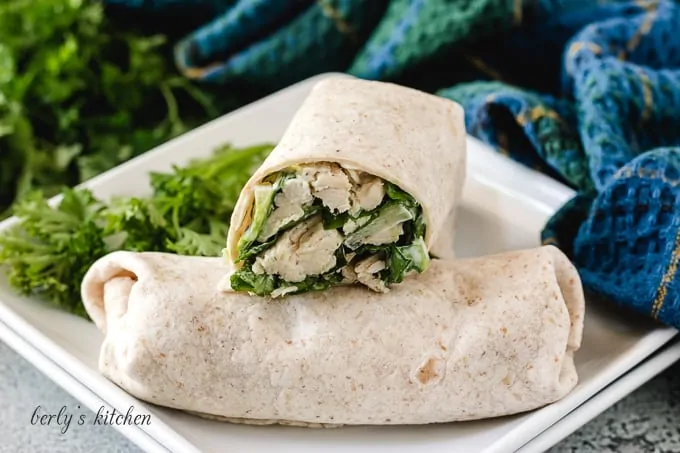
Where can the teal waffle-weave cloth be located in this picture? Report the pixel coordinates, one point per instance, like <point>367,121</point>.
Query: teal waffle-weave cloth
<point>586,92</point>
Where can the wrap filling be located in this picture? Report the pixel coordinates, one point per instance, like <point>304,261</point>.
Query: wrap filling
<point>319,225</point>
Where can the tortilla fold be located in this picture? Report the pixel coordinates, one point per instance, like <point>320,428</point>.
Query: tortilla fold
<point>469,339</point>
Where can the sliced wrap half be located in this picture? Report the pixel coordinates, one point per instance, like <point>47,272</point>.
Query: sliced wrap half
<point>466,340</point>
<point>358,190</point>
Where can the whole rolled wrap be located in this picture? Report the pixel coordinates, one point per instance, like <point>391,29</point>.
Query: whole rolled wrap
<point>356,151</point>
<point>471,339</point>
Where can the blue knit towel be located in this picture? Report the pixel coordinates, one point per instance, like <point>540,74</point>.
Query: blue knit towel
<point>619,115</point>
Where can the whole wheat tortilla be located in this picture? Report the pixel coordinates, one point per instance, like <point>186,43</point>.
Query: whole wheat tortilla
<point>469,339</point>
<point>407,137</point>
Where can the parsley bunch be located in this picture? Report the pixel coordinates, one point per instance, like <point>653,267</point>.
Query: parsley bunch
<point>49,251</point>
<point>79,94</point>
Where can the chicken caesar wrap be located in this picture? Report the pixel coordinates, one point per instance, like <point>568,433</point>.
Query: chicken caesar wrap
<point>358,190</point>
<point>468,339</point>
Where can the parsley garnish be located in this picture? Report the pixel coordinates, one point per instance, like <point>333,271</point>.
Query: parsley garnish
<point>51,248</point>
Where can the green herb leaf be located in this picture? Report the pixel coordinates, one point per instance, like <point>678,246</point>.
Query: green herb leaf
<point>49,251</point>
<point>191,243</point>
<point>333,221</point>
<point>246,280</point>
<point>316,282</point>
<point>81,93</point>
<point>403,259</point>
<point>395,193</point>
<point>262,285</point>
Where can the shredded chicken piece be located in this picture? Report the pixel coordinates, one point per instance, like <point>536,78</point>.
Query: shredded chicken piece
<point>258,268</point>
<point>290,202</point>
<point>366,270</point>
<point>354,175</point>
<point>279,292</point>
<point>306,249</point>
<point>348,275</point>
<point>329,184</point>
<point>370,194</point>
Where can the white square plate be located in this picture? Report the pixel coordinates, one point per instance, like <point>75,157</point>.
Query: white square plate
<point>504,207</point>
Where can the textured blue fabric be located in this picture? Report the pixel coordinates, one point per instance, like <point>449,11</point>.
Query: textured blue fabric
<point>537,130</point>
<point>268,44</point>
<point>585,91</point>
<point>619,75</point>
<point>236,27</point>
<point>628,246</point>
<point>626,104</point>
<point>324,37</point>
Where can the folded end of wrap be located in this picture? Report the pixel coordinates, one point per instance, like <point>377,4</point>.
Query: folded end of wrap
<point>571,287</point>
<point>110,281</point>
<point>106,287</point>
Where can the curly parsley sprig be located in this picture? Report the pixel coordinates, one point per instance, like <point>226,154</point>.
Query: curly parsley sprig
<point>48,252</point>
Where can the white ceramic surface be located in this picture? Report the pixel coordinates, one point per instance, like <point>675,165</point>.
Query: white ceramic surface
<point>505,205</point>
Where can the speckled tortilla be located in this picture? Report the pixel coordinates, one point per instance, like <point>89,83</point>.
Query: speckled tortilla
<point>466,340</point>
<point>410,138</point>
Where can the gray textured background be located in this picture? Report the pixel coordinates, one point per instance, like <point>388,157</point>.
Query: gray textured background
<point>645,422</point>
